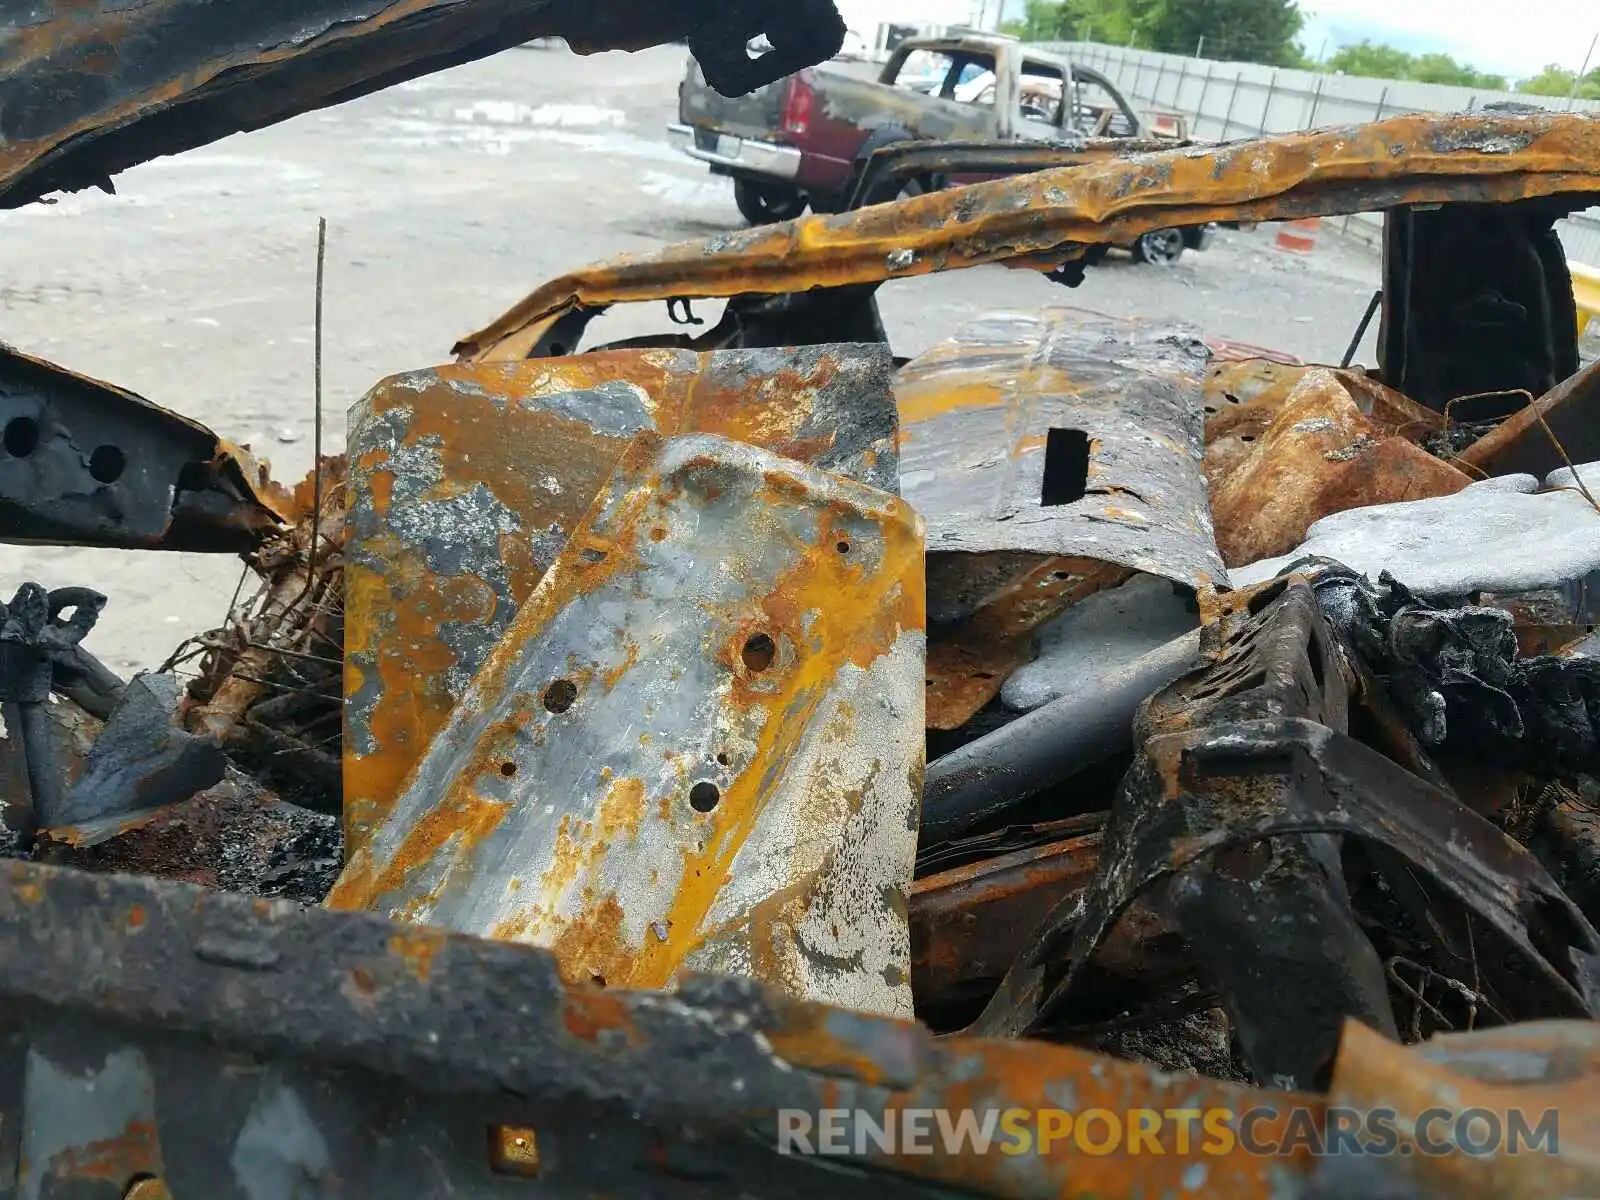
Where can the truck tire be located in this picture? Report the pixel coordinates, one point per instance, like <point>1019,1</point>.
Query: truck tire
<point>1162,247</point>
<point>767,203</point>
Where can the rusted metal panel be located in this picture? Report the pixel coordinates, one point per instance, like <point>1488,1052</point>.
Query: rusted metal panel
<point>465,482</point>
<point>1052,455</point>
<point>1557,430</point>
<point>698,746</point>
<point>1320,455</point>
<point>90,89</point>
<point>1042,219</point>
<point>87,464</point>
<point>969,923</point>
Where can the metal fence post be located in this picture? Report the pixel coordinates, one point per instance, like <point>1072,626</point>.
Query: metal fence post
<point>1200,105</point>
<point>1177,91</point>
<point>1383,102</point>
<point>1227,120</point>
<point>1316,101</point>
<point>1155,88</point>
<point>1266,107</point>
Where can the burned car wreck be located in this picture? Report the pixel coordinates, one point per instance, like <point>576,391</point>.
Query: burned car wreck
<point>1080,716</point>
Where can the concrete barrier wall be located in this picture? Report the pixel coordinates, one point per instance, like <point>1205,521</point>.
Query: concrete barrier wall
<point>1227,100</point>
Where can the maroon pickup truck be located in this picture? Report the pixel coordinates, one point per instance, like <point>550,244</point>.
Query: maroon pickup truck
<point>802,140</point>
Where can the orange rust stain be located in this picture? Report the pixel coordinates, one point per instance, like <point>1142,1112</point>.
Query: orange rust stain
<point>417,948</point>
<point>114,1160</point>
<point>468,817</point>
<point>589,1011</point>
<point>28,893</point>
<point>593,945</point>
<point>136,917</point>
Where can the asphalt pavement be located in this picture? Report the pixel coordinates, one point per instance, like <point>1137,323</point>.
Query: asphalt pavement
<point>448,199</point>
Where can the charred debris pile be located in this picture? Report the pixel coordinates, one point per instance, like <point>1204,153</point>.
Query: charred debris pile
<point>1076,680</point>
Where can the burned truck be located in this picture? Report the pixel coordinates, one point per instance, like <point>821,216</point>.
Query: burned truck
<point>1079,724</point>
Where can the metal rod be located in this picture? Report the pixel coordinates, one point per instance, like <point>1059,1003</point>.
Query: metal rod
<point>1361,329</point>
<point>998,771</point>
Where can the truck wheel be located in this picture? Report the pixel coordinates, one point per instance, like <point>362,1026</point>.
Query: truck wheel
<point>766,203</point>
<point>1162,247</point>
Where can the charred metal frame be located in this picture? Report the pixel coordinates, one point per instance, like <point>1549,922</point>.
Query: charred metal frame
<point>1244,766</point>
<point>89,90</point>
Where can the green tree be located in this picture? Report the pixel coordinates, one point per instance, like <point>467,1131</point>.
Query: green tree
<point>1557,81</point>
<point>1385,62</point>
<point>1262,31</point>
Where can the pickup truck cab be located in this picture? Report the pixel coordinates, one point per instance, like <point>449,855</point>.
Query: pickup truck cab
<point>802,140</point>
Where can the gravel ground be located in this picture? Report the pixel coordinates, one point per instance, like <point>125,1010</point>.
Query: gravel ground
<point>447,199</point>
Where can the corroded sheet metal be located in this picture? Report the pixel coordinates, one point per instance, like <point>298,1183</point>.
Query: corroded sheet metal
<point>1036,220</point>
<point>699,746</point>
<point>90,89</point>
<point>465,482</point>
<point>88,464</point>
<point>1320,455</point>
<point>389,1050</point>
<point>1051,455</point>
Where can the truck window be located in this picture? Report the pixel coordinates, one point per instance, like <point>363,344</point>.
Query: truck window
<point>947,75</point>
<point>1041,95</point>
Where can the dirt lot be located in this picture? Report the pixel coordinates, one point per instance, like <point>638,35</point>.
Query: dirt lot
<point>447,199</point>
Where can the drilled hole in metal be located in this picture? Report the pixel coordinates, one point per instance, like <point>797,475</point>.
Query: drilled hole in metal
<point>560,695</point>
<point>1249,437</point>
<point>508,769</point>
<point>723,759</point>
<point>843,547</point>
<point>704,796</point>
<point>758,652</point>
<point>21,436</point>
<point>107,463</point>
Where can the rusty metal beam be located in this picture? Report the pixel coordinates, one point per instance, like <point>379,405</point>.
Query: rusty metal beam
<point>699,745</point>
<point>217,1041</point>
<point>91,89</point>
<point>466,480</point>
<point>1042,219</point>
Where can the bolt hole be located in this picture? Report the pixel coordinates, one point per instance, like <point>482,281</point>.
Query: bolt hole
<point>508,769</point>
<point>560,695</point>
<point>723,759</point>
<point>598,980</point>
<point>704,796</point>
<point>843,547</point>
<point>21,436</point>
<point>107,463</point>
<point>1249,437</point>
<point>758,653</point>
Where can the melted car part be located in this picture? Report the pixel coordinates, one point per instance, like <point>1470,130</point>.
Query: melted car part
<point>84,463</point>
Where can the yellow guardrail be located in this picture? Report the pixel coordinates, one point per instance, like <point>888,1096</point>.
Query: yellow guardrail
<point>1586,291</point>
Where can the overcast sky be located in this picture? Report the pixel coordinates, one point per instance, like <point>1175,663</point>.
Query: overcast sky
<point>1515,40</point>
